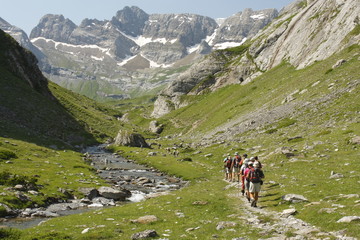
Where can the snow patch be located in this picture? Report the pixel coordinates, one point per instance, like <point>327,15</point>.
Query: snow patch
<point>258,17</point>
<point>57,44</point>
<point>225,45</point>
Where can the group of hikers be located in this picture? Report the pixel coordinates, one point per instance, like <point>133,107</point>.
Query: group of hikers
<point>248,172</point>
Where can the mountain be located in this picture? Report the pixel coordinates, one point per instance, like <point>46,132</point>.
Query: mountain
<point>35,110</point>
<point>305,32</point>
<point>23,39</point>
<point>135,53</point>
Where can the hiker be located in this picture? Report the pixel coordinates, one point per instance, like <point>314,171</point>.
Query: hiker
<point>244,165</point>
<point>227,165</point>
<point>257,160</point>
<point>248,167</point>
<point>237,161</point>
<point>255,176</point>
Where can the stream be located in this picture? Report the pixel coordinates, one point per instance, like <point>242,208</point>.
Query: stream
<point>143,182</point>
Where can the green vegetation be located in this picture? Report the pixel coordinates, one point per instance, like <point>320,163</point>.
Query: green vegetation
<point>316,126</point>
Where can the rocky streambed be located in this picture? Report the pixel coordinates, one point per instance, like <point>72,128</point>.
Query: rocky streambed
<point>129,182</point>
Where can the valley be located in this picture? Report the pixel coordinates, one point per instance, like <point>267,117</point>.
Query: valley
<point>289,95</point>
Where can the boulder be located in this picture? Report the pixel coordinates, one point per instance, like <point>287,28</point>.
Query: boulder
<point>348,219</point>
<point>144,234</point>
<point>223,225</point>
<point>90,193</point>
<point>294,198</point>
<point>101,201</point>
<point>288,212</point>
<point>111,193</point>
<point>125,138</point>
<point>155,127</point>
<point>355,140</point>
<point>145,219</point>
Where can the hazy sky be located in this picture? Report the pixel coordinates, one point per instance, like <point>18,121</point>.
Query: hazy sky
<point>26,14</point>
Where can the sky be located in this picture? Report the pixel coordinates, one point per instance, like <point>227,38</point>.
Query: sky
<point>26,14</point>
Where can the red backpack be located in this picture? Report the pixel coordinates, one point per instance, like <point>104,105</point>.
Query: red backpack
<point>255,175</point>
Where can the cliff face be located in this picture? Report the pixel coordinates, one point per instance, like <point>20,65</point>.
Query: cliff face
<point>305,32</point>
<point>22,63</point>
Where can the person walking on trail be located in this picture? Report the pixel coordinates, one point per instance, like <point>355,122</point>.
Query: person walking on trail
<point>244,166</point>
<point>255,176</point>
<point>237,161</point>
<point>257,160</point>
<point>228,164</point>
<point>249,167</point>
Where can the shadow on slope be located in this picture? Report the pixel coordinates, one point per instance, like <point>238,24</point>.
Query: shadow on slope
<point>28,109</point>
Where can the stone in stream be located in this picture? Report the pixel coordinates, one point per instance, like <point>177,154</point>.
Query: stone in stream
<point>111,193</point>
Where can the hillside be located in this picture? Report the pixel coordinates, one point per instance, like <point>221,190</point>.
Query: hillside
<point>309,148</point>
<point>300,116</point>
<point>43,128</point>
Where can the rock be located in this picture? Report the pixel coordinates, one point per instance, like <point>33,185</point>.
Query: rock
<point>143,180</point>
<point>339,63</point>
<point>222,225</point>
<point>85,230</point>
<point>145,219</point>
<point>19,187</point>
<point>152,154</point>
<point>349,219</point>
<point>8,211</point>
<point>144,234</point>
<point>44,214</point>
<point>288,212</point>
<point>115,194</point>
<point>200,203</point>
<point>185,160</point>
<point>294,198</point>
<point>155,127</point>
<point>327,210</point>
<point>90,193</point>
<point>103,202</point>
<point>55,208</point>
<point>355,140</point>
<point>336,175</point>
<point>288,152</point>
<point>125,138</point>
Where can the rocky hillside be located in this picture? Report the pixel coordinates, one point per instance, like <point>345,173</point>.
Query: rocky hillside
<point>126,56</point>
<point>305,32</point>
<point>35,110</point>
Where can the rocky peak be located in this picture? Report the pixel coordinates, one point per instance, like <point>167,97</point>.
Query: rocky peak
<point>131,20</point>
<point>54,27</point>
<point>244,24</point>
<point>190,29</point>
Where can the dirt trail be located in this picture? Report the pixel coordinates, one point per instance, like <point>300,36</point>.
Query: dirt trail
<point>280,225</point>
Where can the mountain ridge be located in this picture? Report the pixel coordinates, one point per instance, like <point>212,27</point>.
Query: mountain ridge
<point>276,43</point>
<point>133,42</point>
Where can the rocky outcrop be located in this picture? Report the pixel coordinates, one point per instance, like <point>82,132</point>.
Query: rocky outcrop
<point>245,24</point>
<point>125,138</point>
<point>22,38</point>
<point>54,27</point>
<point>305,32</point>
<point>23,63</point>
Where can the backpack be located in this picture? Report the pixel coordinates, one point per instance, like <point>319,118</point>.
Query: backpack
<point>255,175</point>
<point>237,160</point>
<point>228,162</point>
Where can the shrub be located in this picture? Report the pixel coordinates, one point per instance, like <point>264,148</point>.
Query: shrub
<point>6,154</point>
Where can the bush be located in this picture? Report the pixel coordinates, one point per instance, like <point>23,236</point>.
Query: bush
<point>6,155</point>
<point>9,234</point>
<point>7,179</point>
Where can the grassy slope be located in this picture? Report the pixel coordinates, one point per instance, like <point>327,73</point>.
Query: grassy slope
<point>40,137</point>
<point>323,146</point>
